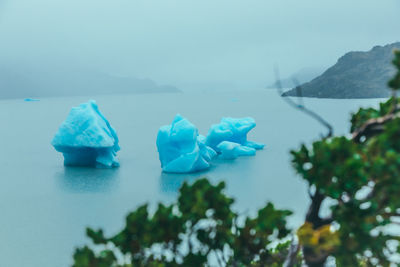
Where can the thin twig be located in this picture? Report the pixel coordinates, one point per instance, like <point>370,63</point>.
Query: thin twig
<point>294,248</point>
<point>299,91</point>
<point>301,106</point>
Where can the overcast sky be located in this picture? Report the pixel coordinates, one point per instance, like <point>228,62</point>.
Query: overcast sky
<point>192,43</point>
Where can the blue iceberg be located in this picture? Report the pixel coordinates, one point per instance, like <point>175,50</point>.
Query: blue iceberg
<point>86,138</point>
<point>233,130</point>
<point>230,150</point>
<point>181,149</point>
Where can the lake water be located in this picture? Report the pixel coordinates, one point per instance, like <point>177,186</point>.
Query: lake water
<point>45,207</point>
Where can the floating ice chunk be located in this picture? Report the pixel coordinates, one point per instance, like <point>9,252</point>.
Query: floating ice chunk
<point>207,152</point>
<point>181,149</point>
<point>86,138</point>
<point>254,145</point>
<point>233,130</point>
<point>230,150</point>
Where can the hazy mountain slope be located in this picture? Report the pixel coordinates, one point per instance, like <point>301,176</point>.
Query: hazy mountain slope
<point>302,76</point>
<point>33,83</point>
<point>355,75</point>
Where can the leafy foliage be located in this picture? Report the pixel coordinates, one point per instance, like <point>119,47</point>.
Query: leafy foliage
<point>395,82</point>
<point>360,178</point>
<point>199,226</point>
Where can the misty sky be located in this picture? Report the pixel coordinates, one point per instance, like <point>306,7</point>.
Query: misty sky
<point>188,43</point>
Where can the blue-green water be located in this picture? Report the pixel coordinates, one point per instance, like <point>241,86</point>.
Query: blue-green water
<point>45,207</point>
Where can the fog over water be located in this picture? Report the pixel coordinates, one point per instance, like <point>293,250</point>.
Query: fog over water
<point>194,45</point>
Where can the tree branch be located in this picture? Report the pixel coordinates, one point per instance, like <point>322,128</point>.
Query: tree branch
<point>316,197</point>
<point>313,211</point>
<point>374,126</point>
<point>294,248</point>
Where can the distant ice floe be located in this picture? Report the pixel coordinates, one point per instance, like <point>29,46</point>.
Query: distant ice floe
<point>86,138</point>
<point>181,149</point>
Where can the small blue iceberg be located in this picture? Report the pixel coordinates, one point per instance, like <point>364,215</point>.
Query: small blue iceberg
<point>230,150</point>
<point>181,149</point>
<point>234,130</point>
<point>86,138</point>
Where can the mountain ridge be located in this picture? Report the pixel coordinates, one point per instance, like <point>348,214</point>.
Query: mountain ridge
<point>356,74</point>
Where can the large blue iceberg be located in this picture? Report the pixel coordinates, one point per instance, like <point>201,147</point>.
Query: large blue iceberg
<point>181,149</point>
<point>230,150</point>
<point>233,130</point>
<point>86,138</point>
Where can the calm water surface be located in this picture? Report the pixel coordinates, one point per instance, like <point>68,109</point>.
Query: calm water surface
<point>45,207</point>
